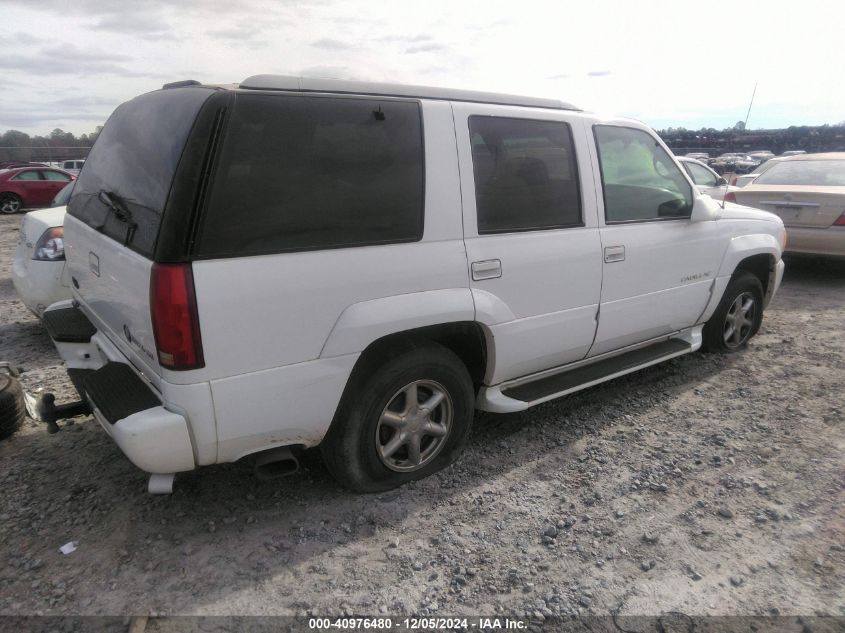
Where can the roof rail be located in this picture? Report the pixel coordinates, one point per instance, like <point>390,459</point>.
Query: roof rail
<point>181,84</point>
<point>308,84</point>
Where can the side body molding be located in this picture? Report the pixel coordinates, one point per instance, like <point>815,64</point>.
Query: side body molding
<point>362,323</point>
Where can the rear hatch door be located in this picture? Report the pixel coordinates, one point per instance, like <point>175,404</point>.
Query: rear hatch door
<point>116,210</point>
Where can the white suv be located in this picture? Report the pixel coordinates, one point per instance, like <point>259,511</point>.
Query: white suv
<point>291,263</point>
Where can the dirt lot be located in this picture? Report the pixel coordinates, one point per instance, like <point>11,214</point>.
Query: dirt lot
<point>708,485</point>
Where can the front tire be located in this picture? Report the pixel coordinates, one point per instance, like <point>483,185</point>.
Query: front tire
<point>10,203</point>
<point>737,317</point>
<point>408,419</point>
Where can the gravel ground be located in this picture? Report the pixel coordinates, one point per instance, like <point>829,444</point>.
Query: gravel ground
<point>710,485</point>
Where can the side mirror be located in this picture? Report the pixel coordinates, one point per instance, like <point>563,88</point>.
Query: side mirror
<point>705,209</point>
<point>721,182</point>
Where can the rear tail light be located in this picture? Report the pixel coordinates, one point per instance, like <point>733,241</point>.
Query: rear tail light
<point>51,245</point>
<point>840,221</point>
<point>176,325</point>
<point>730,197</point>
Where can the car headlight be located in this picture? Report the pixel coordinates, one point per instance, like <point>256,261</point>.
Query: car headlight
<point>51,245</point>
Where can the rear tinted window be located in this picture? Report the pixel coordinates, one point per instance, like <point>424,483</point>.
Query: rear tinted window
<point>300,173</point>
<point>526,175</point>
<point>830,173</point>
<point>134,160</point>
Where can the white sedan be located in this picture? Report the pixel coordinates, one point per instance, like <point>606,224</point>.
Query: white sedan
<point>706,180</point>
<point>39,272</point>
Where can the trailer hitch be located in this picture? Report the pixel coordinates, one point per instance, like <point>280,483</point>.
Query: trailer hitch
<point>49,412</point>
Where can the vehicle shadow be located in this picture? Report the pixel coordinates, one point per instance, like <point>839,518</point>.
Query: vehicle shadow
<point>223,531</point>
<point>810,270</point>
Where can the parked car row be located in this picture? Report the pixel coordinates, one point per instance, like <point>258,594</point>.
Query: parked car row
<point>738,162</point>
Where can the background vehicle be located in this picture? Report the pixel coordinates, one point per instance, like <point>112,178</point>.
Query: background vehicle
<point>740,180</point>
<point>373,262</point>
<point>793,152</point>
<point>39,270</point>
<point>808,193</point>
<point>73,166</point>
<point>706,180</point>
<point>698,156</point>
<point>733,162</point>
<point>761,156</point>
<point>28,187</point>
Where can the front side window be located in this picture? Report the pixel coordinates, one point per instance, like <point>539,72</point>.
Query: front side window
<point>27,175</point>
<point>641,181</point>
<point>700,175</point>
<point>526,174</point>
<point>301,173</point>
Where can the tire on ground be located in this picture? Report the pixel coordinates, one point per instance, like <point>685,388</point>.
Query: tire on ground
<point>12,406</point>
<point>715,329</point>
<point>10,203</point>
<point>350,447</point>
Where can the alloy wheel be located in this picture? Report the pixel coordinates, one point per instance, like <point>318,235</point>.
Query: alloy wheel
<point>414,426</point>
<point>10,205</point>
<point>739,321</point>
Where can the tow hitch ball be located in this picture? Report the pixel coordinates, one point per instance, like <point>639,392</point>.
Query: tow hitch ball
<point>50,412</point>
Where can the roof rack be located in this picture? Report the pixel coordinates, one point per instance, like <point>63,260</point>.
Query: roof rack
<point>306,84</point>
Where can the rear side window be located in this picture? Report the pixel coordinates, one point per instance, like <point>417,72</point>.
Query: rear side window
<point>700,175</point>
<point>526,174</point>
<point>641,181</point>
<point>301,173</point>
<point>56,175</point>
<point>134,160</point>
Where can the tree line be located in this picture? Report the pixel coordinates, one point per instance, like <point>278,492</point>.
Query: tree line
<point>56,138</point>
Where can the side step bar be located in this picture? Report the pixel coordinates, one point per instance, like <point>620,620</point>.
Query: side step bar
<point>520,394</point>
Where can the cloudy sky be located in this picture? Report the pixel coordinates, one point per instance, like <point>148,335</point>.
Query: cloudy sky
<point>67,64</point>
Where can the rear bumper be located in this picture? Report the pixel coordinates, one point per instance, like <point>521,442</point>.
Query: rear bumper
<point>828,241</point>
<point>155,440</point>
<point>40,284</point>
<point>126,405</point>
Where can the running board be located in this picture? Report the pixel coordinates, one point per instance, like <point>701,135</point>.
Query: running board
<point>518,395</point>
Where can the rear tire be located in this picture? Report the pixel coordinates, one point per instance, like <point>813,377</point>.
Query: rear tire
<point>737,317</point>
<point>12,406</point>
<point>10,203</point>
<point>407,419</point>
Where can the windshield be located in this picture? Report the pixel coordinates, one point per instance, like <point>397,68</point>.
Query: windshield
<point>822,173</point>
<point>134,160</point>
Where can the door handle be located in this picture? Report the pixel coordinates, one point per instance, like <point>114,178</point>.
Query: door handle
<point>488,269</point>
<point>614,254</point>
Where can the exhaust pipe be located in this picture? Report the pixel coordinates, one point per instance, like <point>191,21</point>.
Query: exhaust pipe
<point>276,463</point>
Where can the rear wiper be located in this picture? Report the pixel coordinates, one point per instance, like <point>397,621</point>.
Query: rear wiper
<point>120,212</point>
